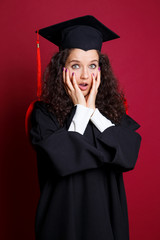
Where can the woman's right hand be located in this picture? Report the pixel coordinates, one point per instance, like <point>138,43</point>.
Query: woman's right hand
<point>72,88</point>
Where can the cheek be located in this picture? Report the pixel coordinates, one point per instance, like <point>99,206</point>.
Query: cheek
<point>95,72</point>
<point>77,74</point>
<point>91,74</point>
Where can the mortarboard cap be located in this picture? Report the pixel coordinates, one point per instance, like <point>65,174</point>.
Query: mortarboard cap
<point>83,32</point>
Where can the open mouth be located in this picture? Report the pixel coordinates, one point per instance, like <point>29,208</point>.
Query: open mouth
<point>83,86</point>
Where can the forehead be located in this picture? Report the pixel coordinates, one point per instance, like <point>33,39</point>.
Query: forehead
<point>79,54</point>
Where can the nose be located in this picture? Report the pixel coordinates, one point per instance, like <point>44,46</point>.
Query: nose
<point>84,73</point>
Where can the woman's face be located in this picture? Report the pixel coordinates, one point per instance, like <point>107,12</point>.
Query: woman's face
<point>83,64</point>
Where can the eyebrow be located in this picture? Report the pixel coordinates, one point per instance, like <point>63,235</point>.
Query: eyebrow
<point>79,61</point>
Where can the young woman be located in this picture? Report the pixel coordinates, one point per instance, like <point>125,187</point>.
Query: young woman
<point>83,138</point>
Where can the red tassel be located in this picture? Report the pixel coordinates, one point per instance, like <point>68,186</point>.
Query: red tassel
<point>39,87</point>
<point>126,105</point>
<point>38,68</point>
<point>27,118</point>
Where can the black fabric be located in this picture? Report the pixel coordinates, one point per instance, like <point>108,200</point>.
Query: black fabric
<point>84,32</point>
<point>81,178</point>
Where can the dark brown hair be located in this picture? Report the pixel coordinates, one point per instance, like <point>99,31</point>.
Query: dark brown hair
<point>110,99</point>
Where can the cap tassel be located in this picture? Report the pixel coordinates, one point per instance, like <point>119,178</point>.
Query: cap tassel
<point>39,87</point>
<point>126,105</point>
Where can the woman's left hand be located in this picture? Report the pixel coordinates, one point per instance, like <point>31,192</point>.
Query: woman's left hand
<point>91,98</point>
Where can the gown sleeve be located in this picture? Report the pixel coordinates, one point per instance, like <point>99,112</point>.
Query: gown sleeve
<point>120,144</point>
<point>69,152</point>
<point>100,121</point>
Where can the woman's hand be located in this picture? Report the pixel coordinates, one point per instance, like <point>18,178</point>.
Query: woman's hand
<point>91,98</point>
<point>72,88</point>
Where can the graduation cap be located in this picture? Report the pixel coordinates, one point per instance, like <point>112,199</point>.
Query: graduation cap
<point>83,32</point>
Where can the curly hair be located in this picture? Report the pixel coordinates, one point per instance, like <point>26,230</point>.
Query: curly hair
<point>109,100</point>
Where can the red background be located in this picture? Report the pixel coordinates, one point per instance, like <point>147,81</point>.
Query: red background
<point>135,60</point>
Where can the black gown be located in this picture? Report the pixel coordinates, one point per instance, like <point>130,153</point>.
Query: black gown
<point>82,194</point>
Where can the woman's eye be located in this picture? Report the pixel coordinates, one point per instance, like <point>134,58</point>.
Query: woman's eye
<point>93,65</point>
<point>75,66</point>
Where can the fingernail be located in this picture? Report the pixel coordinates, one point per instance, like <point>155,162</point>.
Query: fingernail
<point>73,74</point>
<point>93,74</point>
<point>99,68</point>
<point>66,69</point>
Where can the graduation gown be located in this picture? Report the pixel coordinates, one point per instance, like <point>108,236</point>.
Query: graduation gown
<point>82,194</point>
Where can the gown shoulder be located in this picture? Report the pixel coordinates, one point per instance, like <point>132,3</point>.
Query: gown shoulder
<point>128,122</point>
